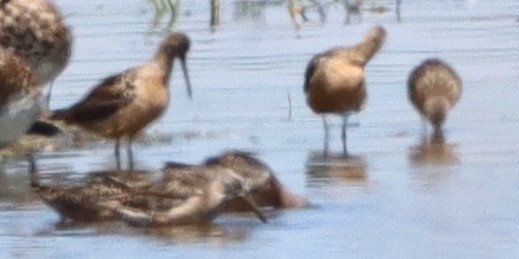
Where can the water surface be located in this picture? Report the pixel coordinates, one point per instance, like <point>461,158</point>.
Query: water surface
<point>396,197</point>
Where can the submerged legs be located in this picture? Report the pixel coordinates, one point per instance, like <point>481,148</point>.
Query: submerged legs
<point>130,154</point>
<point>326,136</point>
<point>343,132</point>
<point>47,99</point>
<point>129,151</point>
<point>117,154</point>
<point>345,117</point>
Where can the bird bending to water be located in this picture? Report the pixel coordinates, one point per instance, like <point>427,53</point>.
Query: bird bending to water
<point>123,104</point>
<point>334,79</point>
<point>266,189</point>
<point>20,102</point>
<point>196,200</point>
<point>434,88</point>
<point>153,204</point>
<point>35,31</point>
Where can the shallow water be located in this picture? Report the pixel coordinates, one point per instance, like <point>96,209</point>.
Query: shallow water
<point>394,198</point>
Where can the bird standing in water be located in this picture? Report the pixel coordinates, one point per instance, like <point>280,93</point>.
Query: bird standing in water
<point>334,80</point>
<point>35,31</point>
<point>434,88</point>
<point>123,104</point>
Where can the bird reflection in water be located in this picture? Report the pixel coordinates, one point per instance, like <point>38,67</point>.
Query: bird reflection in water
<point>216,232</point>
<point>336,166</point>
<point>433,150</point>
<point>250,10</point>
<point>161,8</point>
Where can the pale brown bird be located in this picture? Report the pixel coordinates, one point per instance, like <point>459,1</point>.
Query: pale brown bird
<point>434,88</point>
<point>20,97</point>
<point>193,199</point>
<point>123,104</point>
<point>334,79</point>
<point>175,202</point>
<point>265,187</point>
<point>35,30</point>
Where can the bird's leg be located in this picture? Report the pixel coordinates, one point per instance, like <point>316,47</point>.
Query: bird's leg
<point>326,136</point>
<point>47,99</point>
<point>33,172</point>
<point>130,154</point>
<point>425,137</point>
<point>437,136</point>
<point>118,154</point>
<point>343,133</point>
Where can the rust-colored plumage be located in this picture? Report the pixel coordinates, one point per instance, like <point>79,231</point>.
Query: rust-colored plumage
<point>122,105</point>
<point>334,79</point>
<point>434,88</point>
<point>35,31</point>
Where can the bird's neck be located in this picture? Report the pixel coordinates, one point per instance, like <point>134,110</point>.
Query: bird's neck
<point>436,109</point>
<point>165,64</point>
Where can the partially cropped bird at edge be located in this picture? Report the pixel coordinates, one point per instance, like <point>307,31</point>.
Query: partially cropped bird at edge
<point>36,31</point>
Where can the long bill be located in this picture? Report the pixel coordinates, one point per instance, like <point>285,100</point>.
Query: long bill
<point>186,77</point>
<point>247,197</point>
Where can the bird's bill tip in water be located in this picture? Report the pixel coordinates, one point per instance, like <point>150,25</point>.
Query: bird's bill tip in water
<point>186,77</point>
<point>250,200</point>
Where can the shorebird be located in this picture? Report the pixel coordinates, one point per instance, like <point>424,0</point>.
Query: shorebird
<point>266,189</point>
<point>434,88</point>
<point>20,94</point>
<point>123,104</point>
<point>154,204</point>
<point>194,200</point>
<point>334,80</point>
<point>35,31</point>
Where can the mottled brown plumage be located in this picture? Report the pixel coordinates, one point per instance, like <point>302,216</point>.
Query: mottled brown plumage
<point>16,77</point>
<point>122,105</point>
<point>198,197</point>
<point>19,97</point>
<point>266,189</point>
<point>35,31</point>
<point>334,80</point>
<point>434,88</point>
<point>151,204</point>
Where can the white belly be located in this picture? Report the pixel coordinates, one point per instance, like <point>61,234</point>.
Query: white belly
<point>18,115</point>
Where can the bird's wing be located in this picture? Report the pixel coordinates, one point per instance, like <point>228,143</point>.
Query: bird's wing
<point>114,93</point>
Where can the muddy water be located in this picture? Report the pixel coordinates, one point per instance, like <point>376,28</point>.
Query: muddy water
<point>395,197</point>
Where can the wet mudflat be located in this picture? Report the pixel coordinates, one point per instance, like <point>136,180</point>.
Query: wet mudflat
<point>395,197</point>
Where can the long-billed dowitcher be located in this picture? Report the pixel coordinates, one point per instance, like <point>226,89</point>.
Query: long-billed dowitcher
<point>434,88</point>
<point>35,31</point>
<point>334,79</point>
<point>123,104</point>
<point>193,200</point>
<point>178,201</point>
<point>266,189</point>
<point>20,96</point>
